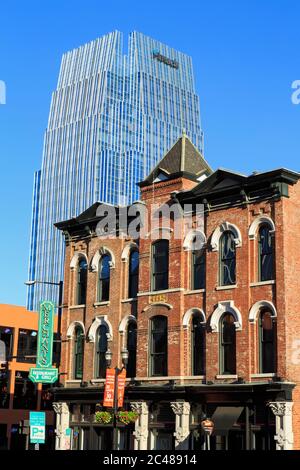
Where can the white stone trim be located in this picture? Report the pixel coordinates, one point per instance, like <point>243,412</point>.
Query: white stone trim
<point>253,229</point>
<point>225,307</point>
<point>190,237</point>
<point>127,250</point>
<point>253,314</point>
<point>124,323</point>
<point>159,292</point>
<point>100,320</point>
<point>262,283</point>
<point>72,327</point>
<point>189,314</point>
<point>225,226</point>
<point>158,304</point>
<point>75,259</point>
<point>103,250</point>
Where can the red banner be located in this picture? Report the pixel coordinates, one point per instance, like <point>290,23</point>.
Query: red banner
<point>121,387</point>
<point>109,388</point>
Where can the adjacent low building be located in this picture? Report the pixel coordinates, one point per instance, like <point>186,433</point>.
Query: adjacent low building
<point>18,395</point>
<point>207,307</point>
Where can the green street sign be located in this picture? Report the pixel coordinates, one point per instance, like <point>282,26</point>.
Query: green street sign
<point>46,376</point>
<point>45,335</point>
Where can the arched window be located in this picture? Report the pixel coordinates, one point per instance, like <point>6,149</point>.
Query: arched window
<point>104,278</point>
<point>227,259</point>
<point>131,348</point>
<point>198,269</point>
<point>133,274</point>
<point>160,265</point>
<point>101,348</point>
<point>198,346</point>
<point>227,345</point>
<point>267,342</point>
<point>265,254</point>
<point>159,346</point>
<point>81,282</point>
<point>78,353</point>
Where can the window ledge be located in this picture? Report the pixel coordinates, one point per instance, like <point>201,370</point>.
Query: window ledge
<point>76,306</point>
<point>258,376</point>
<point>158,292</point>
<point>261,283</point>
<point>97,381</point>
<point>73,381</point>
<point>132,299</point>
<point>100,304</point>
<point>233,286</point>
<point>196,291</point>
<point>226,376</point>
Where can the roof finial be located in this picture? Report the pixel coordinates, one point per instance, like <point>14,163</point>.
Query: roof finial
<point>183,132</point>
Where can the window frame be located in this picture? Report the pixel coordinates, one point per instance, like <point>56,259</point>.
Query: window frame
<point>102,279</point>
<point>201,326</point>
<point>222,352</point>
<point>225,260</point>
<point>81,284</point>
<point>261,254</point>
<point>164,353</point>
<point>131,366</point>
<point>154,272</point>
<point>99,373</point>
<point>133,277</point>
<point>77,354</point>
<point>202,275</point>
<point>262,342</point>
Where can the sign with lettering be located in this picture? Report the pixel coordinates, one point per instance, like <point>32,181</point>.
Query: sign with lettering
<point>121,387</point>
<point>108,399</point>
<point>45,335</point>
<point>37,422</point>
<point>158,298</point>
<point>161,58</point>
<point>44,372</point>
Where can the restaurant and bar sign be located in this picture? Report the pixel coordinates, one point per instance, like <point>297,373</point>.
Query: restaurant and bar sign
<point>44,372</point>
<point>161,58</point>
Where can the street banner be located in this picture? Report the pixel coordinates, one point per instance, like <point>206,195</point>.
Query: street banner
<point>121,387</point>
<point>109,388</point>
<point>37,422</point>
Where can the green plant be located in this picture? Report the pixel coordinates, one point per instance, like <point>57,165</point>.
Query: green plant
<point>103,417</point>
<point>127,417</point>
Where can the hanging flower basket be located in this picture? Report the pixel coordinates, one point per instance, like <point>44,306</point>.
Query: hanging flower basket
<point>127,417</point>
<point>103,417</point>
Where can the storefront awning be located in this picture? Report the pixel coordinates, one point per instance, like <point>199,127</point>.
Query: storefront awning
<point>225,417</point>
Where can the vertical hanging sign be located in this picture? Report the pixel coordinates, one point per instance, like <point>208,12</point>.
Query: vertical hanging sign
<point>44,372</point>
<point>121,387</point>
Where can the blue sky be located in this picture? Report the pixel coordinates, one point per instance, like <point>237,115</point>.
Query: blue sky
<point>245,54</point>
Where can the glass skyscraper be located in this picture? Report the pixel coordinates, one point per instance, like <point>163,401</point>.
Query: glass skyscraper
<point>112,117</point>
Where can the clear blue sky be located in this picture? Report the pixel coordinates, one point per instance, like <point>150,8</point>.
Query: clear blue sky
<point>245,54</point>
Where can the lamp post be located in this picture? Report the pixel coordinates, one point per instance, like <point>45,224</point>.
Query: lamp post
<point>108,357</point>
<point>208,427</point>
<point>59,308</point>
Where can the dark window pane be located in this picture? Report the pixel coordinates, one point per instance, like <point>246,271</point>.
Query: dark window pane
<point>228,346</point>
<point>198,269</point>
<point>78,353</point>
<point>7,335</point>
<point>101,348</point>
<point>160,265</point>
<point>267,343</point>
<point>131,347</point>
<point>104,278</point>
<point>25,393</point>
<point>81,282</point>
<point>227,259</point>
<point>4,388</point>
<point>265,254</point>
<point>198,346</point>
<point>133,274</point>
<point>159,346</point>
<point>27,346</point>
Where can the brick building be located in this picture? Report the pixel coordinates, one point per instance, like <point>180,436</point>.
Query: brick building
<point>206,305</point>
<point>18,395</point>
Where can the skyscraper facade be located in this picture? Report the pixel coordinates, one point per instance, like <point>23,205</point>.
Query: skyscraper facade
<point>112,117</point>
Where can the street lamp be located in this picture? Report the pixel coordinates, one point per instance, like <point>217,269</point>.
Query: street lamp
<point>59,309</point>
<point>208,427</point>
<point>108,358</point>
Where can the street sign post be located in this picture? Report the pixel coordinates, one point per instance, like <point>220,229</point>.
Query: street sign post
<point>44,372</point>
<point>37,422</point>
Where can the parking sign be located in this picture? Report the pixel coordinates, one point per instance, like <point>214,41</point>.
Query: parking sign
<point>37,421</point>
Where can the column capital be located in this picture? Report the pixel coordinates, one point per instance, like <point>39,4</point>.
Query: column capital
<point>281,408</point>
<point>140,407</point>
<point>181,407</point>
<point>60,407</point>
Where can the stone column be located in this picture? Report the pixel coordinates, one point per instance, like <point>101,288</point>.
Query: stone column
<point>182,424</point>
<point>284,424</point>
<point>141,425</point>
<point>62,423</point>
